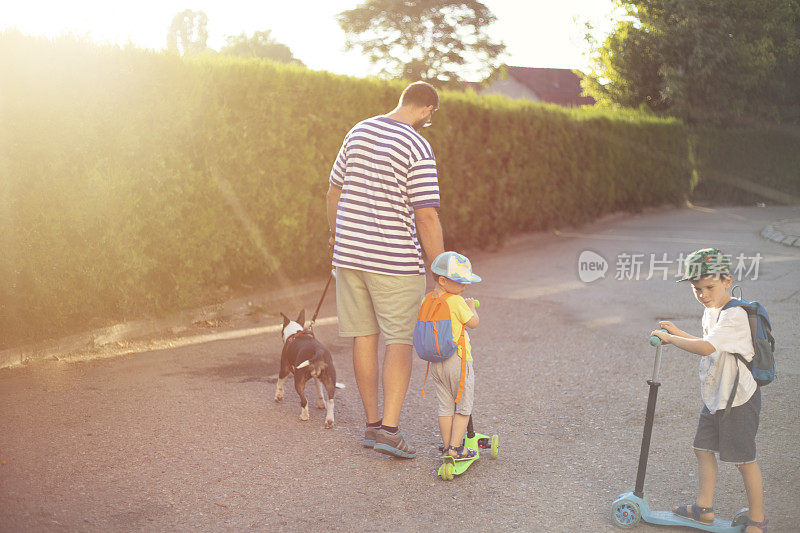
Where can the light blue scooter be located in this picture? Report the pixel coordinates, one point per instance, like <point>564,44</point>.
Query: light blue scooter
<point>631,507</point>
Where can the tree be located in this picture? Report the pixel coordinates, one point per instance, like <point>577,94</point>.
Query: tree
<point>188,34</point>
<point>262,45</point>
<point>702,59</point>
<point>626,70</point>
<point>440,41</point>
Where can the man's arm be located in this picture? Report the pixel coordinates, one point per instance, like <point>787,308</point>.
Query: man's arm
<point>332,200</point>
<point>429,230</point>
<point>332,203</point>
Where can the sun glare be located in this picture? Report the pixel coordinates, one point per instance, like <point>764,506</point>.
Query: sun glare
<point>536,33</point>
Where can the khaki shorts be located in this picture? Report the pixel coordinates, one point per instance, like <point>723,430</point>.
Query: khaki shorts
<point>370,303</point>
<point>447,376</point>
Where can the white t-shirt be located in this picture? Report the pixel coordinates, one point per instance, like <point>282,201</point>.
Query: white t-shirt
<point>728,335</point>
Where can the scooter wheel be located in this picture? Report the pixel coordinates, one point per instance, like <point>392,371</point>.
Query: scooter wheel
<point>447,472</point>
<point>625,513</point>
<point>495,447</point>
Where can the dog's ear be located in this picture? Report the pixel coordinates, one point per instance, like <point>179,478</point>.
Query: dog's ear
<point>285,320</point>
<point>301,318</point>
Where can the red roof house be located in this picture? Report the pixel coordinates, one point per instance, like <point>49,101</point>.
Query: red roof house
<point>552,85</point>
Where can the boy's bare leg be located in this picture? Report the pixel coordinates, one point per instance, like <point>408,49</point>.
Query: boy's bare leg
<point>707,468</point>
<point>365,366</point>
<point>460,423</point>
<point>396,376</point>
<point>753,485</point>
<point>446,429</point>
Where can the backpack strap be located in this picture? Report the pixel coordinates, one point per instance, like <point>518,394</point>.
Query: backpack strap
<point>734,302</point>
<point>463,344</point>
<point>732,395</point>
<point>441,300</point>
<point>748,364</point>
<point>424,380</point>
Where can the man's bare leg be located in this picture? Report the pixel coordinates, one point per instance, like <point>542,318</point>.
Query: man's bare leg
<point>365,366</point>
<point>396,377</point>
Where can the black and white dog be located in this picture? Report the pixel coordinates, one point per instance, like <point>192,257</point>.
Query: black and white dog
<point>306,358</point>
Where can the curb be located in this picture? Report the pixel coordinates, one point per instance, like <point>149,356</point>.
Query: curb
<point>783,232</point>
<point>172,325</point>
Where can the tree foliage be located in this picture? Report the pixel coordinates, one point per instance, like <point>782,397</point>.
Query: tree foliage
<point>188,33</point>
<point>440,41</point>
<point>260,45</point>
<point>703,59</point>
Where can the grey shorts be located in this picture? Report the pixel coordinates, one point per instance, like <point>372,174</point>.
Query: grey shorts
<point>734,437</point>
<point>447,376</point>
<point>369,303</point>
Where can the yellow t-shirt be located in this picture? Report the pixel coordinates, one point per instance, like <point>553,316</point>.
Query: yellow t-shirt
<point>460,314</point>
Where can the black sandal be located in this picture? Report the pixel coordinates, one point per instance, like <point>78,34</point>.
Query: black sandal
<point>760,525</point>
<point>464,454</point>
<point>694,515</point>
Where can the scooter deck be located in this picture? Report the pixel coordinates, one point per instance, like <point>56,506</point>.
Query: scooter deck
<point>668,518</point>
<point>455,467</point>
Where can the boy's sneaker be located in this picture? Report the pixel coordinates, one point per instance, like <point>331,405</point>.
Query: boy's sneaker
<point>393,444</point>
<point>369,437</point>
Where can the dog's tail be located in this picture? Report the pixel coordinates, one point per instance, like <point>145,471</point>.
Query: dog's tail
<point>317,353</point>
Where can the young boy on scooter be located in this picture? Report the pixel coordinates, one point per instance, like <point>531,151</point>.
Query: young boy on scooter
<point>731,435</point>
<point>453,272</point>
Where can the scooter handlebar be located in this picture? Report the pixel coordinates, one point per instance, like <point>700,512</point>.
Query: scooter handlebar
<point>655,341</point>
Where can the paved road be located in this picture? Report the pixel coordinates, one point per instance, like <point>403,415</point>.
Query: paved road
<point>189,438</point>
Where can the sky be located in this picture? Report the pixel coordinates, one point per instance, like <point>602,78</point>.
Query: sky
<point>537,33</point>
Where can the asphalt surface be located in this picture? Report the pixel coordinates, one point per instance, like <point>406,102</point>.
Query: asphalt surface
<point>189,438</point>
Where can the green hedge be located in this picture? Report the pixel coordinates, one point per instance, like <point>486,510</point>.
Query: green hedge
<point>747,165</point>
<point>137,183</point>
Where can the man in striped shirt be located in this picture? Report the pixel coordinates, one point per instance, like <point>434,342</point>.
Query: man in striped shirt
<point>383,195</point>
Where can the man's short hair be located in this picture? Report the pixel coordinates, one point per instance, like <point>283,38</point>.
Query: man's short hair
<point>420,94</point>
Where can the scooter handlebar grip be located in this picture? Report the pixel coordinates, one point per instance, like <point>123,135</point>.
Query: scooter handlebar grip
<point>655,341</point>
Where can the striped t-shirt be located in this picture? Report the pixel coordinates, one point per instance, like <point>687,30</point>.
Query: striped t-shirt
<point>385,170</point>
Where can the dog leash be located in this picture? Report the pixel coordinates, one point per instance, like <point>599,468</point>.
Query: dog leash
<point>322,298</point>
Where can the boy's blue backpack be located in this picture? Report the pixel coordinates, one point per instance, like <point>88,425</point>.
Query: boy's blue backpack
<point>433,335</point>
<point>763,364</point>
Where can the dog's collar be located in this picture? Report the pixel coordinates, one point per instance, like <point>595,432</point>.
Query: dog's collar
<point>307,331</point>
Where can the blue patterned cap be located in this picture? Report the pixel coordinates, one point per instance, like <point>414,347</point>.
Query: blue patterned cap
<point>454,266</point>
